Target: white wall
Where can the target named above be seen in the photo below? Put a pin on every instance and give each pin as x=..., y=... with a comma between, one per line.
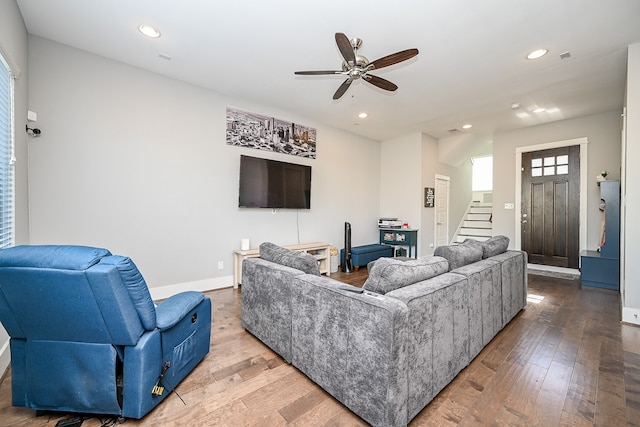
x=603, y=133
x=401, y=178
x=459, y=191
x=407, y=165
x=631, y=271
x=138, y=163
x=13, y=43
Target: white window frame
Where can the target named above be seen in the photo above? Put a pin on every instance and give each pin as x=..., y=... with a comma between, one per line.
x=7, y=154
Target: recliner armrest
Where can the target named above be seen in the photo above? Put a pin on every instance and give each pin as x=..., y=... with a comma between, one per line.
x=174, y=308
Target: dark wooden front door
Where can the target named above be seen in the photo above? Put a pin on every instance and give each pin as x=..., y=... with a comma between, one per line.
x=551, y=206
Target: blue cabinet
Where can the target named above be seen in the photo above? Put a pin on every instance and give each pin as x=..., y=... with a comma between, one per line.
x=401, y=237
x=602, y=269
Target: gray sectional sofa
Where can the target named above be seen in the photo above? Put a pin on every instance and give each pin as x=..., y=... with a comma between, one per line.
x=387, y=349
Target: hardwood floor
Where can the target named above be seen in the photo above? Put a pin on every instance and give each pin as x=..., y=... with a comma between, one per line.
x=564, y=360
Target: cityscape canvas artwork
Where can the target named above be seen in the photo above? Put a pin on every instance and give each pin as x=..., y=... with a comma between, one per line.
x=247, y=129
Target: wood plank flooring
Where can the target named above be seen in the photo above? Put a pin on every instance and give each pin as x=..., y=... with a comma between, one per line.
x=565, y=360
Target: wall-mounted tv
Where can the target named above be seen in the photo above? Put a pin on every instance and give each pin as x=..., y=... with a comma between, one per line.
x=268, y=183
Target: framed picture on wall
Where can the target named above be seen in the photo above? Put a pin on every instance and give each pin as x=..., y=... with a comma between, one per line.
x=429, y=197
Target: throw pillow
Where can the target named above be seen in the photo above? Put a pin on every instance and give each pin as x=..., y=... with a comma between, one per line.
x=388, y=274
x=495, y=246
x=299, y=260
x=459, y=255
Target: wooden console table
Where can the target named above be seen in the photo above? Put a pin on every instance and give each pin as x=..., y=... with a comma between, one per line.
x=319, y=250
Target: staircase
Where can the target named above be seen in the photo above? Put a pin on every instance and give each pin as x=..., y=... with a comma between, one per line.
x=476, y=223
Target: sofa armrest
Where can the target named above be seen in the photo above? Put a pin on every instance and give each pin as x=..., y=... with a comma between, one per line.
x=174, y=308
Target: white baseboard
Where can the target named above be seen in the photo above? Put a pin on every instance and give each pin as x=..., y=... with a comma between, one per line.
x=5, y=356
x=164, y=292
x=631, y=315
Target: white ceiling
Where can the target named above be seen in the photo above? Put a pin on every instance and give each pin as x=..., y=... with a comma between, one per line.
x=470, y=69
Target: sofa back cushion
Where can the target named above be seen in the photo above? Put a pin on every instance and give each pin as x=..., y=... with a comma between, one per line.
x=388, y=274
x=492, y=247
x=294, y=259
x=459, y=255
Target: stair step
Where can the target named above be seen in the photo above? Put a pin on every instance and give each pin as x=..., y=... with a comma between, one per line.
x=478, y=216
x=477, y=224
x=461, y=238
x=475, y=232
x=481, y=209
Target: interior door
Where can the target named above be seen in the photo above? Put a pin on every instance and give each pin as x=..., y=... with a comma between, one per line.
x=551, y=206
x=442, y=211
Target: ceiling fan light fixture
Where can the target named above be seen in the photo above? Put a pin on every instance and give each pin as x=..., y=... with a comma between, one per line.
x=356, y=66
x=538, y=53
x=149, y=31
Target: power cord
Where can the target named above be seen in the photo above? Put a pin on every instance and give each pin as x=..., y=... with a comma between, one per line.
x=112, y=421
x=77, y=420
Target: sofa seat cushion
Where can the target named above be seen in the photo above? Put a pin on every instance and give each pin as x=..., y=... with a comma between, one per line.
x=491, y=247
x=459, y=255
x=299, y=260
x=388, y=274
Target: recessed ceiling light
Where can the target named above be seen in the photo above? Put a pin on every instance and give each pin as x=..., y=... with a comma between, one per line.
x=538, y=53
x=149, y=31
x=467, y=126
x=515, y=105
x=539, y=110
x=363, y=115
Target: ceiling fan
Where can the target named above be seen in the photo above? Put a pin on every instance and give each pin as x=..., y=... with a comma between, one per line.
x=357, y=66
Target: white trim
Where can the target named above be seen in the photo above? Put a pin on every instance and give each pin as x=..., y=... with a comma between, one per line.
x=5, y=357
x=623, y=207
x=163, y=292
x=13, y=67
x=435, y=214
x=583, y=185
x=631, y=315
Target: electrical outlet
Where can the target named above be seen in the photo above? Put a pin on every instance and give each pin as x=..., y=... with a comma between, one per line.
x=220, y=265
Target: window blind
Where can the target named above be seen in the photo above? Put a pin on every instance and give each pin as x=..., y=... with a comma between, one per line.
x=7, y=223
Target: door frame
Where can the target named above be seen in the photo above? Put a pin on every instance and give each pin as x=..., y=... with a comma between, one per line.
x=435, y=214
x=582, y=244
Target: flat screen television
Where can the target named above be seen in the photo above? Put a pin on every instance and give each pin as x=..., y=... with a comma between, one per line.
x=272, y=184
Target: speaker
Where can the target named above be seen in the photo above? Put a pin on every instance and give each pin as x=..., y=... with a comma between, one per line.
x=347, y=267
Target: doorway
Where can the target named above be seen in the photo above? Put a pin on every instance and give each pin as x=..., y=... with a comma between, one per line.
x=442, y=210
x=581, y=217
x=550, y=206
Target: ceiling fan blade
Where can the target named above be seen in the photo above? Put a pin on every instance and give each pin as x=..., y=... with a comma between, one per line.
x=316, y=73
x=380, y=82
x=394, y=58
x=342, y=89
x=345, y=48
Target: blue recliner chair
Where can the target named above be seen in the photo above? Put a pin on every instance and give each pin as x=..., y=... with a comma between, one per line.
x=86, y=336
